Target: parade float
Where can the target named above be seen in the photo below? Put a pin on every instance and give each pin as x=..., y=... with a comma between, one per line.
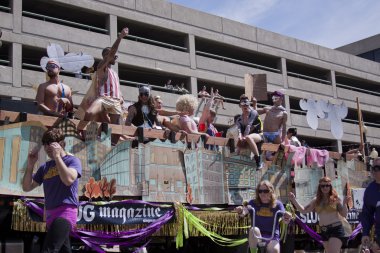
x=162, y=189
x=172, y=188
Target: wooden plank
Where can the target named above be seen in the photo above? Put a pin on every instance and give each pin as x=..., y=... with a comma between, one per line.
x=270, y=147
x=50, y=121
x=154, y=133
x=334, y=155
x=217, y=141
x=256, y=86
x=193, y=137
x=16, y=142
x=13, y=116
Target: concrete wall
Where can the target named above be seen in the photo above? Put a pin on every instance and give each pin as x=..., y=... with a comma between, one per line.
x=24, y=31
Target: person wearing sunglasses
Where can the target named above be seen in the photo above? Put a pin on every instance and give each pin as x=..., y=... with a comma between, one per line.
x=250, y=128
x=371, y=208
x=60, y=179
x=331, y=211
x=266, y=205
x=53, y=97
x=143, y=113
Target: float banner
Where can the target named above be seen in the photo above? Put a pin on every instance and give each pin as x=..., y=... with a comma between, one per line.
x=312, y=218
x=121, y=213
x=115, y=213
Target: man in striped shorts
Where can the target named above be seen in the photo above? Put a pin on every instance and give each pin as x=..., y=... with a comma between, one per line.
x=107, y=107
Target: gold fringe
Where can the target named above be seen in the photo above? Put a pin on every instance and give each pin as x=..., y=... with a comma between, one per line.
x=220, y=222
x=21, y=220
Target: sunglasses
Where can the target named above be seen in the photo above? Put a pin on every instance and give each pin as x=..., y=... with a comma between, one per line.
x=325, y=185
x=51, y=66
x=144, y=94
x=264, y=191
x=376, y=168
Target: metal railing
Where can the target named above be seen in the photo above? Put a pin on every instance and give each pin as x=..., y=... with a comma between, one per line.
x=227, y=59
x=358, y=89
x=308, y=77
x=5, y=8
x=63, y=21
x=155, y=42
x=4, y=62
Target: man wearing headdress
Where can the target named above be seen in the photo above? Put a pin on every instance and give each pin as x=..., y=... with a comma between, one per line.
x=53, y=97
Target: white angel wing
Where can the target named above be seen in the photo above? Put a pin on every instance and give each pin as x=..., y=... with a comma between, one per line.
x=322, y=107
x=74, y=62
x=341, y=111
x=55, y=51
x=43, y=62
x=304, y=105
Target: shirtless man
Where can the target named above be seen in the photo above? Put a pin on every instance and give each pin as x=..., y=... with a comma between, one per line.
x=53, y=97
x=275, y=120
x=107, y=106
x=203, y=93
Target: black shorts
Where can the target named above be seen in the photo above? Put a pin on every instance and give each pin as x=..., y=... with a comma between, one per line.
x=333, y=231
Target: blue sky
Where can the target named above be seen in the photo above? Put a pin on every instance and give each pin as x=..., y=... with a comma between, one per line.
x=330, y=23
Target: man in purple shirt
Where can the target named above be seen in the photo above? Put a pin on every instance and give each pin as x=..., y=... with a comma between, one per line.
x=371, y=208
x=60, y=178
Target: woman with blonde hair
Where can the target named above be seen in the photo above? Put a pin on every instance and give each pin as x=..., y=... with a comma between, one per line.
x=330, y=210
x=186, y=105
x=266, y=205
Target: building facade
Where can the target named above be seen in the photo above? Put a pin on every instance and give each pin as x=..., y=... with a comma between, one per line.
x=172, y=42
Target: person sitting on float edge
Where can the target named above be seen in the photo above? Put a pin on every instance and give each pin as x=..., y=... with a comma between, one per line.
x=250, y=128
x=143, y=113
x=186, y=105
x=331, y=210
x=275, y=120
x=53, y=97
x=266, y=205
x=107, y=105
x=59, y=177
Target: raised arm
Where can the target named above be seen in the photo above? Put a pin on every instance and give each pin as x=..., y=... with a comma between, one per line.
x=307, y=209
x=111, y=55
x=28, y=184
x=67, y=174
x=206, y=108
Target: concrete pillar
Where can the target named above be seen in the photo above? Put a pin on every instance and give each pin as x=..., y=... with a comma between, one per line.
x=284, y=72
x=113, y=33
x=287, y=107
x=190, y=44
x=16, y=63
x=333, y=83
x=17, y=15
x=193, y=86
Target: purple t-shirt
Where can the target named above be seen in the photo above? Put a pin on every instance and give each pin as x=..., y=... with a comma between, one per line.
x=265, y=217
x=56, y=192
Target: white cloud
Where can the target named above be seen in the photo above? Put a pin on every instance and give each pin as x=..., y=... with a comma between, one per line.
x=330, y=23
x=245, y=11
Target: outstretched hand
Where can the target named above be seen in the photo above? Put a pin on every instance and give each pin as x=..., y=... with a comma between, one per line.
x=291, y=197
x=124, y=32
x=33, y=157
